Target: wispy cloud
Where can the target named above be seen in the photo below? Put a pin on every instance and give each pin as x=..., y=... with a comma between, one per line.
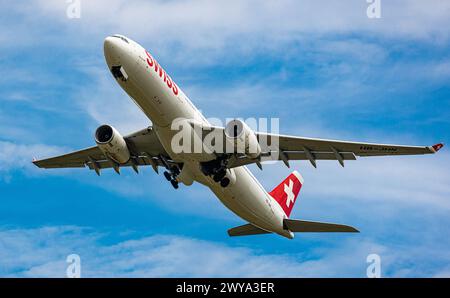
x=18, y=157
x=219, y=25
x=41, y=252
x=105, y=102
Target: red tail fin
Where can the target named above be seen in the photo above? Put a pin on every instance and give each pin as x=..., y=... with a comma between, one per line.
x=287, y=191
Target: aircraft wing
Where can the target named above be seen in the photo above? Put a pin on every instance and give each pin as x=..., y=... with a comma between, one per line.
x=300, y=148
x=144, y=146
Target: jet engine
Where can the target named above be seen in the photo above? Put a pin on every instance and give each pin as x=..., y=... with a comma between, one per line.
x=112, y=144
x=242, y=138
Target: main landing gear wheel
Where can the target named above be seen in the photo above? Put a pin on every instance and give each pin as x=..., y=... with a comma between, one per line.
x=219, y=176
x=171, y=179
x=219, y=172
x=174, y=183
x=225, y=182
x=168, y=176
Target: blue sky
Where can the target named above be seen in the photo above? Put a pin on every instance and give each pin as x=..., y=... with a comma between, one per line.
x=323, y=68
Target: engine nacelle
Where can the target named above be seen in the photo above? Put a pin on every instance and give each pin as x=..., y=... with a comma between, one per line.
x=242, y=138
x=112, y=144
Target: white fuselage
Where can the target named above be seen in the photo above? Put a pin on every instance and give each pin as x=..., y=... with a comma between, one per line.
x=164, y=102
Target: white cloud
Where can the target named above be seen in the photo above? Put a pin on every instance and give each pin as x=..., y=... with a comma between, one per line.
x=418, y=179
x=42, y=252
x=15, y=157
x=245, y=26
x=106, y=103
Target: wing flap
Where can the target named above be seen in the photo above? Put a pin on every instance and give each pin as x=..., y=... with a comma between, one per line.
x=301, y=155
x=246, y=230
x=138, y=161
x=293, y=155
x=295, y=225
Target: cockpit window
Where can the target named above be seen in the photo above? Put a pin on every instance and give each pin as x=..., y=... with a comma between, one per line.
x=121, y=37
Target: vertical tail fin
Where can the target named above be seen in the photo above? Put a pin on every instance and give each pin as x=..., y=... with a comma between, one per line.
x=287, y=191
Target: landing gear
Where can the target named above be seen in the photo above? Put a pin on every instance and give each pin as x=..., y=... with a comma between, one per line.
x=168, y=176
x=172, y=179
x=217, y=177
x=224, y=182
x=217, y=169
x=174, y=183
x=221, y=178
x=172, y=176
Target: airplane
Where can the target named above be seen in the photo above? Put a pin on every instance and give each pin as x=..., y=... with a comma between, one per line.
x=224, y=172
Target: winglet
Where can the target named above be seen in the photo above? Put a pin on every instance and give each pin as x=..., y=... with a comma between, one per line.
x=435, y=148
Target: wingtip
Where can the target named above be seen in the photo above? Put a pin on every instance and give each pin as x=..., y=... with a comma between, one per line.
x=36, y=162
x=351, y=229
x=435, y=148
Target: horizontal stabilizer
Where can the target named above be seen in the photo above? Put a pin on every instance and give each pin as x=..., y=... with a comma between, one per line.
x=246, y=230
x=295, y=225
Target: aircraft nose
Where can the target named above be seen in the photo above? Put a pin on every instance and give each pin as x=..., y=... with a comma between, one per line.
x=111, y=50
x=117, y=48
x=108, y=43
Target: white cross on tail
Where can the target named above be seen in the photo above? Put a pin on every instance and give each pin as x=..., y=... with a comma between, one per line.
x=289, y=192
